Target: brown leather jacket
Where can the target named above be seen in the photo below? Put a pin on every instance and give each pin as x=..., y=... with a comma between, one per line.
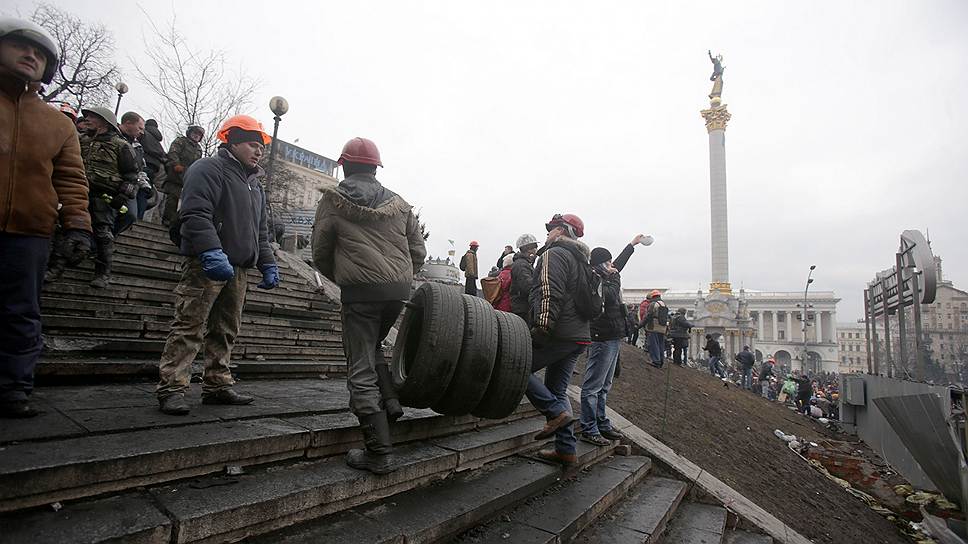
x=40, y=164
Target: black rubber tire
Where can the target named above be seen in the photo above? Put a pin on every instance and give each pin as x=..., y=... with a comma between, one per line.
x=428, y=345
x=477, y=355
x=512, y=368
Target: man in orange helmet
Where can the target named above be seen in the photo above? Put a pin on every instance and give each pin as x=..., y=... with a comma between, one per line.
x=367, y=239
x=656, y=323
x=468, y=263
x=224, y=231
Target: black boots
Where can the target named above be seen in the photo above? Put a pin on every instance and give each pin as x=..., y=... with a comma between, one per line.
x=391, y=404
x=104, y=255
x=377, y=457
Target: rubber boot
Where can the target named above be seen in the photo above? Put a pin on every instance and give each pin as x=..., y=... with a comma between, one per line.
x=102, y=263
x=391, y=403
x=55, y=269
x=377, y=457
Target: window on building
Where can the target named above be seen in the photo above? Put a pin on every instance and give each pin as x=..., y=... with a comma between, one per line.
x=844, y=359
x=781, y=335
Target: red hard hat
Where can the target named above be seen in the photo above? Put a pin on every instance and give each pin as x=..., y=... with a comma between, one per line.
x=360, y=150
x=67, y=110
x=655, y=293
x=475, y=244
x=568, y=219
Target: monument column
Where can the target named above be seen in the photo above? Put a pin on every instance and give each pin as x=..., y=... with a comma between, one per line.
x=759, y=321
x=776, y=326
x=716, y=118
x=819, y=326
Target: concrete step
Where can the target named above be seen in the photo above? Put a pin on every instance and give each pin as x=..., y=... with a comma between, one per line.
x=268, y=500
x=641, y=517
x=429, y=514
x=566, y=509
x=696, y=524
x=117, y=346
x=744, y=537
x=51, y=369
x=127, y=447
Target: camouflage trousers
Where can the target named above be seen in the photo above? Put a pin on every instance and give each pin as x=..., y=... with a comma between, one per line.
x=206, y=312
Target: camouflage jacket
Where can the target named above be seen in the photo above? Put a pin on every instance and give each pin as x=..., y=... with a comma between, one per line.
x=109, y=161
x=183, y=152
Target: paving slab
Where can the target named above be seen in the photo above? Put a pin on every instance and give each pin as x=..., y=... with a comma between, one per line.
x=640, y=517
x=267, y=500
x=477, y=447
x=129, y=518
x=44, y=472
x=51, y=423
x=744, y=537
x=95, y=396
x=697, y=524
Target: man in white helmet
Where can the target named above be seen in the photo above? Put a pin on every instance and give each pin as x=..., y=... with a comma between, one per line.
x=522, y=269
x=42, y=183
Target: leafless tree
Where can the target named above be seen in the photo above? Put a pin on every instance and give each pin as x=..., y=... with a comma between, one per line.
x=87, y=71
x=194, y=87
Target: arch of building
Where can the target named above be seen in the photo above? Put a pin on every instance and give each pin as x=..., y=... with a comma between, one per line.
x=783, y=358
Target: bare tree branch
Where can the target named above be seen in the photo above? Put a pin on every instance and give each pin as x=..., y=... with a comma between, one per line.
x=194, y=87
x=87, y=69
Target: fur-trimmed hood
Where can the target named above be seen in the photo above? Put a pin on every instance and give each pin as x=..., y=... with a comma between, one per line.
x=361, y=197
x=579, y=248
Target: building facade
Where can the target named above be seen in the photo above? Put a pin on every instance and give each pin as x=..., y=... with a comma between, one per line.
x=769, y=322
x=852, y=343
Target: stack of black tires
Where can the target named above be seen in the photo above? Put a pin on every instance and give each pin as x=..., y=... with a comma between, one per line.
x=457, y=355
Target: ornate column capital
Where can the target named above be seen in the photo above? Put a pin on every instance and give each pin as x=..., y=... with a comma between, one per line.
x=716, y=116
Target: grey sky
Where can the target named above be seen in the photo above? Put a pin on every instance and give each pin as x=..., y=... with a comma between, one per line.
x=848, y=120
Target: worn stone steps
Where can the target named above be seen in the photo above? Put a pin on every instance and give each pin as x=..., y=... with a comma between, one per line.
x=120, y=441
x=696, y=524
x=52, y=368
x=564, y=510
x=119, y=346
x=641, y=517
x=744, y=537
x=214, y=509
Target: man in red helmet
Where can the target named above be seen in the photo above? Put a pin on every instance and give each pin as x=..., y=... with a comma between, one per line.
x=468, y=263
x=368, y=241
x=560, y=330
x=224, y=232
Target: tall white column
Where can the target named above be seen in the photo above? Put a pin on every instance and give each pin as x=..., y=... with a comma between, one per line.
x=759, y=322
x=833, y=326
x=789, y=326
x=716, y=118
x=776, y=326
x=819, y=326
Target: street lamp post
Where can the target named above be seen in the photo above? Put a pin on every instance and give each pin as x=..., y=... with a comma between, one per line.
x=122, y=89
x=803, y=319
x=279, y=106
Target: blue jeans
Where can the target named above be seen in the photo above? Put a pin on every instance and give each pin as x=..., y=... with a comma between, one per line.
x=716, y=366
x=551, y=397
x=23, y=260
x=656, y=347
x=747, y=378
x=599, y=371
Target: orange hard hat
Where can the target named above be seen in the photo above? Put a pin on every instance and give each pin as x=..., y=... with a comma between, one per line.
x=655, y=293
x=67, y=110
x=243, y=122
x=475, y=244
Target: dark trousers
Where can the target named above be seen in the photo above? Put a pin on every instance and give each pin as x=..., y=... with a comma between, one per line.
x=365, y=325
x=679, y=348
x=23, y=260
x=550, y=396
x=470, y=287
x=634, y=337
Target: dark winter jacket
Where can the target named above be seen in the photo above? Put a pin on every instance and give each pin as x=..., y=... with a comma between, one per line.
x=804, y=387
x=713, y=347
x=552, y=294
x=766, y=370
x=223, y=206
x=41, y=171
x=611, y=324
x=521, y=272
x=746, y=359
x=367, y=240
x=679, y=328
x=155, y=156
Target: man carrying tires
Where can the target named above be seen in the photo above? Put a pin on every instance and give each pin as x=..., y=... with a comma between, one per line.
x=367, y=240
x=559, y=331
x=522, y=269
x=607, y=332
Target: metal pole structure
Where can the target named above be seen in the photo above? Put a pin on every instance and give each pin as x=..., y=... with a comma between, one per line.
x=122, y=88
x=272, y=154
x=918, y=343
x=876, y=344
x=887, y=331
x=803, y=319
x=902, y=334
x=279, y=107
x=867, y=329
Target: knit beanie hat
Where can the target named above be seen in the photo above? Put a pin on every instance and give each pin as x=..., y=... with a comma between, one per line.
x=599, y=256
x=240, y=136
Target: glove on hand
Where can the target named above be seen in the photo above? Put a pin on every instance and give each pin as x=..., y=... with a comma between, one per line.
x=270, y=277
x=128, y=189
x=540, y=336
x=74, y=246
x=216, y=266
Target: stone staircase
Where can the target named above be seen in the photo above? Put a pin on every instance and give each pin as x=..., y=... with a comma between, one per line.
x=119, y=332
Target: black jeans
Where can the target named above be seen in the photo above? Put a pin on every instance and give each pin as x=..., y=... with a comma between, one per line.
x=23, y=260
x=365, y=325
x=470, y=287
x=679, y=348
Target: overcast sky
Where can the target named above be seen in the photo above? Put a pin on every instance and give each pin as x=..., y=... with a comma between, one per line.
x=848, y=120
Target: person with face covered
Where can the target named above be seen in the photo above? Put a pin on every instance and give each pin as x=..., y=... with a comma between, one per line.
x=41, y=183
x=607, y=332
x=522, y=270
x=224, y=232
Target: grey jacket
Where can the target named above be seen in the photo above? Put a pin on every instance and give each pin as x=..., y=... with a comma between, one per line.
x=223, y=206
x=367, y=240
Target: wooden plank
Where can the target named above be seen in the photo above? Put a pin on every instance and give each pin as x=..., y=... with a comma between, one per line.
x=731, y=499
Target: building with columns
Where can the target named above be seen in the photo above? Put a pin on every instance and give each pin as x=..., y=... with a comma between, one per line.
x=853, y=347
x=769, y=322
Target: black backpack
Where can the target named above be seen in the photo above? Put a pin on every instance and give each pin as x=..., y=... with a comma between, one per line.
x=589, y=303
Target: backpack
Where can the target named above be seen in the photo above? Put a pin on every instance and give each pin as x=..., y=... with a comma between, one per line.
x=463, y=263
x=589, y=303
x=491, y=287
